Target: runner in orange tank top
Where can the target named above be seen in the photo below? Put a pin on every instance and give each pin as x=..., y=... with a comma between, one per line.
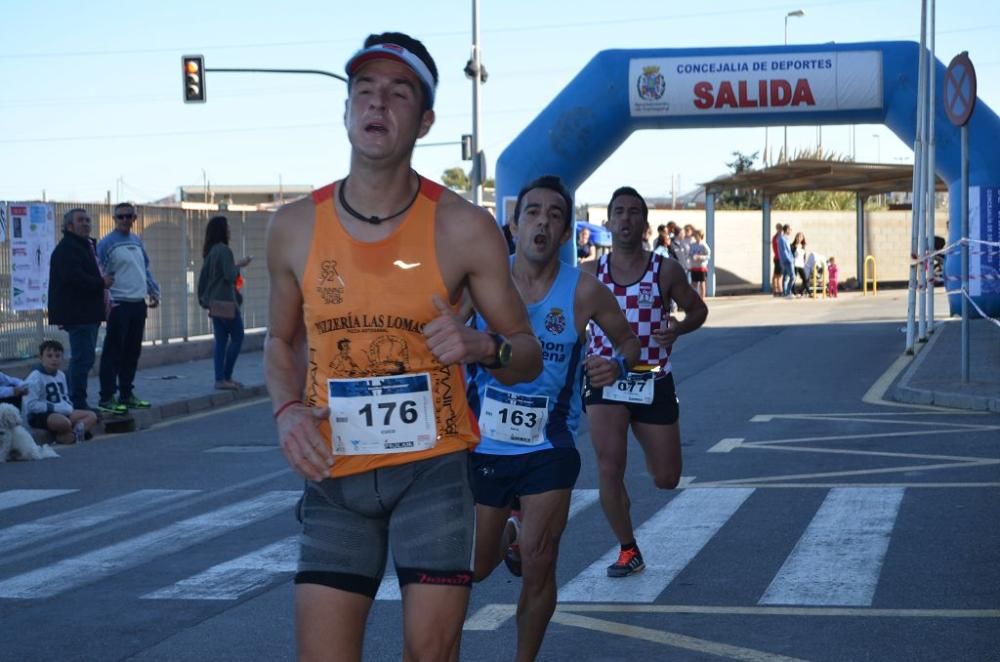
x=364, y=367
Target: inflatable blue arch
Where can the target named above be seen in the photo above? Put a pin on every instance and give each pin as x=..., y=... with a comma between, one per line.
x=621, y=91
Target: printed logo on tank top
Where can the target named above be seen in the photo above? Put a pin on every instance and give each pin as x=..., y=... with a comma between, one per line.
x=645, y=295
x=331, y=285
x=555, y=321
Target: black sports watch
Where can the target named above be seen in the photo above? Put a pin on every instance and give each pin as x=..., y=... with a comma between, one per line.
x=503, y=354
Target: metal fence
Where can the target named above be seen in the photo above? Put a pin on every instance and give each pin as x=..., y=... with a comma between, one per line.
x=173, y=239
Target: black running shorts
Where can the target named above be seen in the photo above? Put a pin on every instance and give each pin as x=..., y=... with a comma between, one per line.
x=664, y=410
x=498, y=479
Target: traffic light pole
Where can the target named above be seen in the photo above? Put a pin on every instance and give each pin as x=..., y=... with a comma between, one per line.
x=319, y=72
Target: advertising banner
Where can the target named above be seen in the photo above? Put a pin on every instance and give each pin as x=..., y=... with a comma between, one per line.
x=31, y=229
x=984, y=225
x=755, y=84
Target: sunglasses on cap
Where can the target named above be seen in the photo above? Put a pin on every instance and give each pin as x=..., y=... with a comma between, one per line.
x=124, y=217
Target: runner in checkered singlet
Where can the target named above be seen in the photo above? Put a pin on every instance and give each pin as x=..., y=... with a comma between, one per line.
x=645, y=285
x=643, y=307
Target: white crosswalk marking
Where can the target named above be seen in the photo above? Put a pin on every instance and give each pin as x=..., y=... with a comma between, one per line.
x=15, y=498
x=78, y=519
x=669, y=541
x=230, y=580
x=101, y=563
x=579, y=500
x=838, y=560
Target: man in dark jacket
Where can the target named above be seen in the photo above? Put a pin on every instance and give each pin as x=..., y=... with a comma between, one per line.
x=77, y=298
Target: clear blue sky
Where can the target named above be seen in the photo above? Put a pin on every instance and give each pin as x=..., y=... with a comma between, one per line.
x=92, y=91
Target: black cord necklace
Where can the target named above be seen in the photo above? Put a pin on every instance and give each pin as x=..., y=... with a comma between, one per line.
x=374, y=220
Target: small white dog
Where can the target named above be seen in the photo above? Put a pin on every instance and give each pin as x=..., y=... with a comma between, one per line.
x=15, y=441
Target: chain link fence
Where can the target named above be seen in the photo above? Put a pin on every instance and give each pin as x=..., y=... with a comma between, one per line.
x=173, y=239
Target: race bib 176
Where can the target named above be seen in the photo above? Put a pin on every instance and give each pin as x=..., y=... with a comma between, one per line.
x=375, y=415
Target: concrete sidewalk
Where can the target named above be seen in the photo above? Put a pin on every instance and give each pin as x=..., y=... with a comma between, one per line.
x=180, y=389
x=934, y=376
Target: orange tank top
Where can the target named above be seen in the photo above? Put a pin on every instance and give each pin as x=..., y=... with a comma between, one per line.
x=365, y=307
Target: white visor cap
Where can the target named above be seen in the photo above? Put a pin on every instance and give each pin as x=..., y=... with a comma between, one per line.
x=400, y=54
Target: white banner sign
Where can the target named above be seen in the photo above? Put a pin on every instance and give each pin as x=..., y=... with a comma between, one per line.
x=31, y=228
x=755, y=84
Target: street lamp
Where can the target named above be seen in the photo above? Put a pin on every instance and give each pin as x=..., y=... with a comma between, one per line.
x=475, y=70
x=798, y=13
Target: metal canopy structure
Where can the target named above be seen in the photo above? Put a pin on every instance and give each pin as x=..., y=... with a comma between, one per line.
x=861, y=179
x=816, y=175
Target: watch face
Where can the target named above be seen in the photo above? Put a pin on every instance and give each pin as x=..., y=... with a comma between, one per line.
x=504, y=353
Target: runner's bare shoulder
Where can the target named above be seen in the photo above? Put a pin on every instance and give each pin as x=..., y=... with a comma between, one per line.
x=292, y=216
x=589, y=267
x=463, y=221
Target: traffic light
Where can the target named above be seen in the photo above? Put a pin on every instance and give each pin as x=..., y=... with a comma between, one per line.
x=466, y=147
x=193, y=67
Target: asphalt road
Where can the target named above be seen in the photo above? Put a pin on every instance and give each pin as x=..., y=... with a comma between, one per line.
x=816, y=522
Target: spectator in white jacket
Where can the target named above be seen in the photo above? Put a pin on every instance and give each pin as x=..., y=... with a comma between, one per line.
x=698, y=256
x=47, y=406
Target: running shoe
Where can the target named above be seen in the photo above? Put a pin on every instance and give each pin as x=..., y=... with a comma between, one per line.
x=629, y=562
x=132, y=402
x=112, y=406
x=512, y=532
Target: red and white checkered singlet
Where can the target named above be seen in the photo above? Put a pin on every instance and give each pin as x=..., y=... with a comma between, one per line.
x=644, y=309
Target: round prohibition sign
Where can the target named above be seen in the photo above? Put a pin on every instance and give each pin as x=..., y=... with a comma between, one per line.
x=960, y=89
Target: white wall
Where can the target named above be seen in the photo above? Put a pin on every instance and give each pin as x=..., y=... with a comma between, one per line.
x=738, y=242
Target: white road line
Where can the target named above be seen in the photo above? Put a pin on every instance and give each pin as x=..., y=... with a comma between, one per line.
x=101, y=563
x=234, y=578
x=240, y=449
x=579, y=501
x=875, y=435
x=837, y=561
x=78, y=519
x=970, y=459
x=489, y=618
x=813, y=486
x=673, y=639
x=807, y=612
x=669, y=541
x=726, y=445
x=15, y=498
x=859, y=472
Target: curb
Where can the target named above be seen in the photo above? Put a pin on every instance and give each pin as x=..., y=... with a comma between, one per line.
x=146, y=418
x=901, y=391
x=143, y=419
x=921, y=396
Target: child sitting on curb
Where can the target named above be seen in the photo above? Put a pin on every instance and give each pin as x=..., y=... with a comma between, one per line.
x=47, y=406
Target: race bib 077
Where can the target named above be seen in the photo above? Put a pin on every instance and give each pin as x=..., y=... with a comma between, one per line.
x=375, y=415
x=635, y=388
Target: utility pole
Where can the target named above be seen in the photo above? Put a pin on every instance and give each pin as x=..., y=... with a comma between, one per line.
x=474, y=69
